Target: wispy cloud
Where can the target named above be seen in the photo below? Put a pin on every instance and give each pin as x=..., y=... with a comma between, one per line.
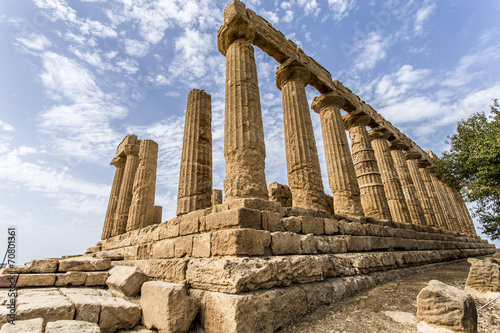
x=423, y=15
x=371, y=50
x=341, y=8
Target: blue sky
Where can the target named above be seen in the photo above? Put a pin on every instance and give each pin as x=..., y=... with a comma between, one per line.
x=77, y=76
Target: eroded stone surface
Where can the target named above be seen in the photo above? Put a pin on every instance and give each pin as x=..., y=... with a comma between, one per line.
x=126, y=280
x=174, y=313
x=71, y=326
x=484, y=275
x=84, y=264
x=24, y=326
x=447, y=306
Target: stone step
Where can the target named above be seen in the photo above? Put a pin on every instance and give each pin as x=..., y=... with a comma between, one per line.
x=54, y=265
x=101, y=307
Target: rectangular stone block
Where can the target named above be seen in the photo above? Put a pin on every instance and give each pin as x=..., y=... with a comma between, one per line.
x=96, y=279
x=272, y=222
x=240, y=242
x=169, y=232
x=163, y=249
x=183, y=246
x=144, y=251
x=331, y=226
x=292, y=224
x=358, y=243
x=308, y=244
x=169, y=270
x=201, y=245
x=189, y=227
x=240, y=218
x=130, y=253
x=70, y=279
x=285, y=243
x=84, y=264
x=36, y=280
x=313, y=225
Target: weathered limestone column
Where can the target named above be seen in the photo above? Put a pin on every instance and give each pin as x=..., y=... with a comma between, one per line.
x=195, y=178
x=125, y=196
x=216, y=197
x=373, y=198
x=407, y=185
x=446, y=205
x=244, y=148
x=302, y=162
x=460, y=224
x=341, y=174
x=390, y=178
x=422, y=194
x=464, y=212
x=142, y=209
x=119, y=163
x=158, y=214
x=431, y=192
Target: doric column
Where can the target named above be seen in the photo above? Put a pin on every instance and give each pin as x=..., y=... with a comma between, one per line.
x=446, y=206
x=195, y=178
x=341, y=174
x=464, y=212
x=142, y=208
x=158, y=213
x=373, y=198
x=125, y=196
x=460, y=224
x=216, y=197
x=302, y=162
x=119, y=163
x=431, y=192
x=422, y=194
x=407, y=185
x=390, y=178
x=244, y=148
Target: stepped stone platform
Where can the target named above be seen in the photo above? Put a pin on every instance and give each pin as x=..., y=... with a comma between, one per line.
x=253, y=270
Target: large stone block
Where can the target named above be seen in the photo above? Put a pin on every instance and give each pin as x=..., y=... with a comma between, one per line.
x=240, y=242
x=70, y=279
x=292, y=224
x=285, y=243
x=447, y=306
x=48, y=304
x=117, y=313
x=24, y=326
x=87, y=308
x=201, y=245
x=126, y=280
x=169, y=270
x=70, y=326
x=241, y=218
x=183, y=246
x=36, y=280
x=484, y=276
x=84, y=264
x=96, y=279
x=163, y=249
x=175, y=312
x=280, y=193
x=313, y=225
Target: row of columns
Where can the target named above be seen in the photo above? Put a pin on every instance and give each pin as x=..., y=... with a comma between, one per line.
x=131, y=202
x=377, y=180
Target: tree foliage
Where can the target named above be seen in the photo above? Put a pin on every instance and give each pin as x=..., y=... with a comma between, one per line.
x=473, y=164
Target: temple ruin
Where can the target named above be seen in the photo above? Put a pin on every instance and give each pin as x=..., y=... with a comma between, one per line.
x=261, y=257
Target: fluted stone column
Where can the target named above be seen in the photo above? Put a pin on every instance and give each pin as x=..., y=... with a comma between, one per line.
x=464, y=212
x=446, y=206
x=125, y=196
x=341, y=175
x=142, y=208
x=244, y=148
x=431, y=192
x=392, y=185
x=460, y=224
x=422, y=193
x=195, y=177
x=216, y=197
x=119, y=163
x=373, y=198
x=407, y=185
x=302, y=162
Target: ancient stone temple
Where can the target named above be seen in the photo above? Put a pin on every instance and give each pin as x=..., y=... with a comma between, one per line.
x=261, y=256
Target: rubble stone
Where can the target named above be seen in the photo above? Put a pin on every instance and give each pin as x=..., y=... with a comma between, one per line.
x=126, y=280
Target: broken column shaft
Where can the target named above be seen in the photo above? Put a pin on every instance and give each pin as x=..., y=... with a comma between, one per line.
x=195, y=178
x=119, y=163
x=302, y=162
x=142, y=209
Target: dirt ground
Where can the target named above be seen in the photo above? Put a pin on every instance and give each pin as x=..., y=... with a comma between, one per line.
x=392, y=307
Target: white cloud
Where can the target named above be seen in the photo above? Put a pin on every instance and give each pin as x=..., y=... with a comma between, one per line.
x=6, y=127
x=423, y=15
x=288, y=16
x=341, y=8
x=36, y=42
x=129, y=65
x=372, y=50
x=136, y=48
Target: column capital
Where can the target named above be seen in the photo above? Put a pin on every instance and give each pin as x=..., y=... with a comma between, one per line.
x=411, y=154
x=330, y=99
x=293, y=72
x=131, y=150
x=382, y=134
x=360, y=119
x=397, y=144
x=118, y=161
x=237, y=27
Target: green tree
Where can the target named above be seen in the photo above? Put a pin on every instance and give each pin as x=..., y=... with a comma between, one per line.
x=473, y=163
